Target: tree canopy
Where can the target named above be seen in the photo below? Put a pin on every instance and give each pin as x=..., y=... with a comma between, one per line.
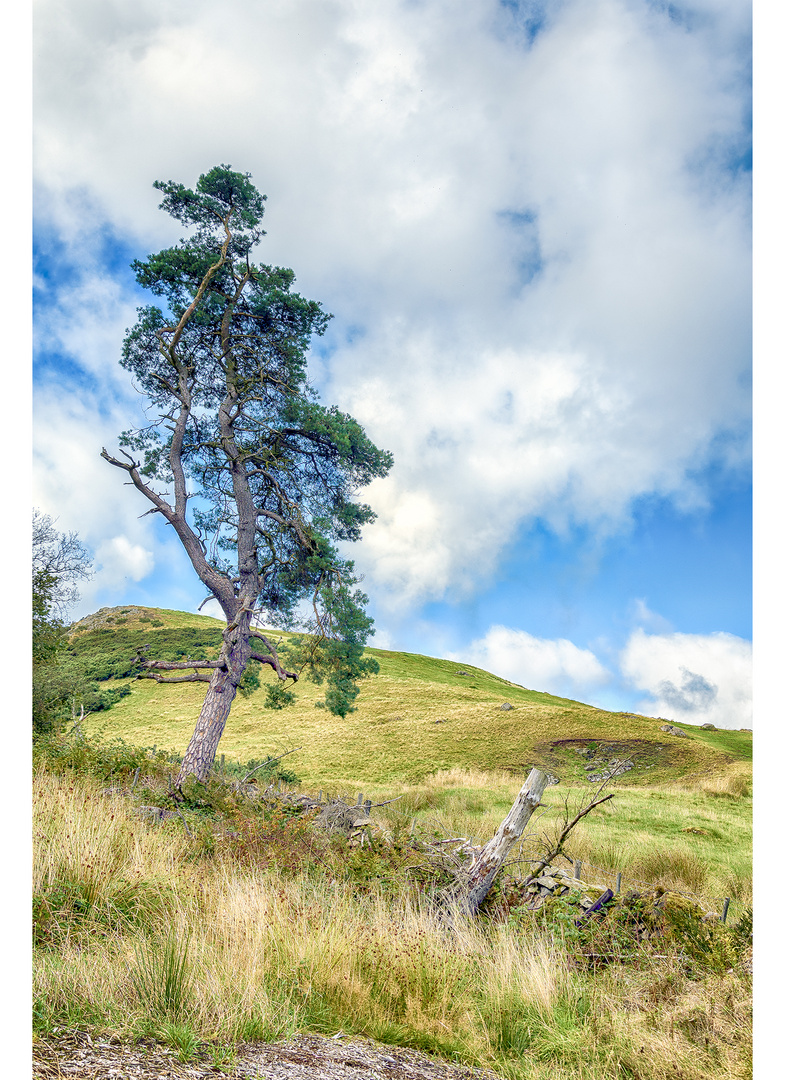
x=257, y=478
x=59, y=561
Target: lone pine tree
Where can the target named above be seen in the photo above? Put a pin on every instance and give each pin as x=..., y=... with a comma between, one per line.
x=256, y=477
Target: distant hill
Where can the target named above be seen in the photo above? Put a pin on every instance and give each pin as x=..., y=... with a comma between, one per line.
x=418, y=715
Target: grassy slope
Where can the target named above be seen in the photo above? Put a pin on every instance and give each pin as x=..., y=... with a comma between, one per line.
x=313, y=961
x=416, y=717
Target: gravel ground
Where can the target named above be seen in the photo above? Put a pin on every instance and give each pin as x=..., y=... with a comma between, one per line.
x=306, y=1057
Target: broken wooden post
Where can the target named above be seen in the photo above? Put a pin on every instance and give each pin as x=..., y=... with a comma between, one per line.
x=471, y=892
x=576, y=869
x=725, y=907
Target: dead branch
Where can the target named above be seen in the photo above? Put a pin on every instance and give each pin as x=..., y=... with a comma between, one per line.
x=556, y=848
x=474, y=884
x=270, y=761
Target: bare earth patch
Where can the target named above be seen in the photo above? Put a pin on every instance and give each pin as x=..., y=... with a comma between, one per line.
x=306, y=1057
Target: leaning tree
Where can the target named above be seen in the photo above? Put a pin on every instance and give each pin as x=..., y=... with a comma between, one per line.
x=256, y=477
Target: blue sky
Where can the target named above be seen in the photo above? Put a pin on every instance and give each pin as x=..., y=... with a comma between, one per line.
x=532, y=224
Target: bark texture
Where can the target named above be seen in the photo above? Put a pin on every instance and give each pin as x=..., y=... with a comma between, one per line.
x=201, y=751
x=239, y=428
x=491, y=859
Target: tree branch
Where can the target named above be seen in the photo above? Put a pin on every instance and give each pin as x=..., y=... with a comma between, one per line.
x=180, y=665
x=195, y=677
x=556, y=849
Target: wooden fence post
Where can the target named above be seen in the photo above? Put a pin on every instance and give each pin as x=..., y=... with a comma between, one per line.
x=618, y=882
x=576, y=868
x=725, y=907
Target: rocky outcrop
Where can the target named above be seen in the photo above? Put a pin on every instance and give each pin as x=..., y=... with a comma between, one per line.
x=615, y=767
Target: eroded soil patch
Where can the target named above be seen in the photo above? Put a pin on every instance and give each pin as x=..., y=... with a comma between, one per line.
x=575, y=754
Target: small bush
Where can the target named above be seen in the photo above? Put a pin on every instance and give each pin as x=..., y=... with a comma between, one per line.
x=711, y=945
x=93, y=756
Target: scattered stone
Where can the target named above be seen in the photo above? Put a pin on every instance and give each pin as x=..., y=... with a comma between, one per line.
x=708, y=727
x=337, y=816
x=506, y=706
x=671, y=730
x=614, y=768
x=747, y=729
x=461, y=672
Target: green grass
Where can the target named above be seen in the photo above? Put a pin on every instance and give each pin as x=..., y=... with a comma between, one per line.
x=248, y=927
x=335, y=939
x=417, y=716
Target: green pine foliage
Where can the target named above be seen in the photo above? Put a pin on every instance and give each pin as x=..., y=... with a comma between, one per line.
x=265, y=477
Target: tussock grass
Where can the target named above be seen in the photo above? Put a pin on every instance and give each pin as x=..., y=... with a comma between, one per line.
x=228, y=953
x=92, y=865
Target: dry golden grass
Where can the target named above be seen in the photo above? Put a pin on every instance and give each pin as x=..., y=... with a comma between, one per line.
x=268, y=954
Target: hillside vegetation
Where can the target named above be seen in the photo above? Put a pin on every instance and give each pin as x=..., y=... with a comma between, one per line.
x=419, y=715
x=236, y=920
x=431, y=734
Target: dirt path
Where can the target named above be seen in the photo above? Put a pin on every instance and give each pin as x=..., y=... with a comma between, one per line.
x=307, y=1057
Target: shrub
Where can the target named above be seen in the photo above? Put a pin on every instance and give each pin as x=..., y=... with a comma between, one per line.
x=93, y=756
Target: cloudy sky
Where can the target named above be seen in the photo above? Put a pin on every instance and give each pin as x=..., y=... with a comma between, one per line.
x=531, y=221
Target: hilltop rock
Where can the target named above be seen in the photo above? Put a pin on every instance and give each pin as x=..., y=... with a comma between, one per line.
x=671, y=730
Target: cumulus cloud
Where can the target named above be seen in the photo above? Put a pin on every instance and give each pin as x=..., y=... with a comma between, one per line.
x=537, y=250
x=692, y=678
x=119, y=561
x=554, y=666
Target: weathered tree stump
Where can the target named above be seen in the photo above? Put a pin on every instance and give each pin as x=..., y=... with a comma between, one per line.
x=470, y=892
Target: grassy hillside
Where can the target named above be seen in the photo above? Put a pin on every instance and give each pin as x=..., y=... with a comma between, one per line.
x=419, y=715
x=236, y=921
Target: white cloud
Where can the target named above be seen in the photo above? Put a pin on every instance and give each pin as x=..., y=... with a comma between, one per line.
x=642, y=616
x=554, y=666
x=692, y=678
x=119, y=561
x=543, y=263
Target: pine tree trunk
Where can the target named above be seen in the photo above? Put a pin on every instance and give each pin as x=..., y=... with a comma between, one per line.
x=221, y=692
